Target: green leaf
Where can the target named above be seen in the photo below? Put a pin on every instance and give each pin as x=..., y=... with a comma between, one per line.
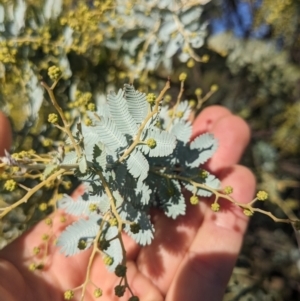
x=115, y=248
x=165, y=143
x=82, y=164
x=204, y=147
x=120, y=114
x=108, y=133
x=82, y=206
x=145, y=235
x=137, y=165
x=182, y=131
x=171, y=199
x=81, y=229
x=137, y=103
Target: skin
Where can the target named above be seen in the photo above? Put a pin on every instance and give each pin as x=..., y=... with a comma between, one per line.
x=190, y=258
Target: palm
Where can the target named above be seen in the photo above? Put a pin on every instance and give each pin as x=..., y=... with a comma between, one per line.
x=190, y=257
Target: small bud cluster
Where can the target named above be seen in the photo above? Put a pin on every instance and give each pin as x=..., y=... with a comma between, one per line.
x=135, y=228
x=192, y=103
x=190, y=63
x=54, y=73
x=228, y=190
x=45, y=237
x=215, y=207
x=68, y=295
x=82, y=244
x=198, y=92
x=179, y=114
x=151, y=97
x=120, y=270
x=247, y=212
x=53, y=118
x=194, y=200
x=10, y=185
x=88, y=121
x=98, y=293
x=48, y=221
x=93, y=207
x=262, y=195
x=104, y=245
x=120, y=290
x=182, y=76
x=43, y=207
x=108, y=260
x=36, y=250
x=203, y=174
x=151, y=143
x=214, y=88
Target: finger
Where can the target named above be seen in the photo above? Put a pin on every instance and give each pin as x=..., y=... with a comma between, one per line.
x=5, y=134
x=207, y=119
x=208, y=263
x=222, y=124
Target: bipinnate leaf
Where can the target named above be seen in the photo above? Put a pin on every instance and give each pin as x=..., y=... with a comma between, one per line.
x=137, y=103
x=203, y=147
x=165, y=143
x=171, y=199
x=81, y=229
x=70, y=158
x=120, y=114
x=145, y=234
x=182, y=131
x=108, y=133
x=137, y=165
x=115, y=248
x=85, y=205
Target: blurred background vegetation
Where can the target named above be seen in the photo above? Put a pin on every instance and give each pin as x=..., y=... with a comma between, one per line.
x=250, y=49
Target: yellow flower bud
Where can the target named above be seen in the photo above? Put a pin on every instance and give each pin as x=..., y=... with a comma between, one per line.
x=215, y=207
x=182, y=76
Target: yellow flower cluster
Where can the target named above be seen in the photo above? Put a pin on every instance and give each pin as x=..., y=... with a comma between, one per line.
x=68, y=295
x=182, y=76
x=52, y=118
x=108, y=260
x=98, y=293
x=54, y=73
x=151, y=97
x=194, y=200
x=228, y=190
x=215, y=207
x=262, y=195
x=10, y=185
x=7, y=54
x=93, y=207
x=151, y=143
x=248, y=212
x=198, y=92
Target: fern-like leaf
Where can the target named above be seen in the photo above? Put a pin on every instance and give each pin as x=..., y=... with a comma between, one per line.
x=145, y=235
x=137, y=103
x=120, y=114
x=81, y=229
x=203, y=147
x=109, y=134
x=137, y=165
x=165, y=143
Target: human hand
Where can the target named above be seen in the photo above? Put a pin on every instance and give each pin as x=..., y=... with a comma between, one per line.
x=191, y=258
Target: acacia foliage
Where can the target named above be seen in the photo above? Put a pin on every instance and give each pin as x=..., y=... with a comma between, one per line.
x=136, y=155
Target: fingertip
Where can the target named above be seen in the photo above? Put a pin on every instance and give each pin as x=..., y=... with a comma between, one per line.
x=233, y=135
x=205, y=121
